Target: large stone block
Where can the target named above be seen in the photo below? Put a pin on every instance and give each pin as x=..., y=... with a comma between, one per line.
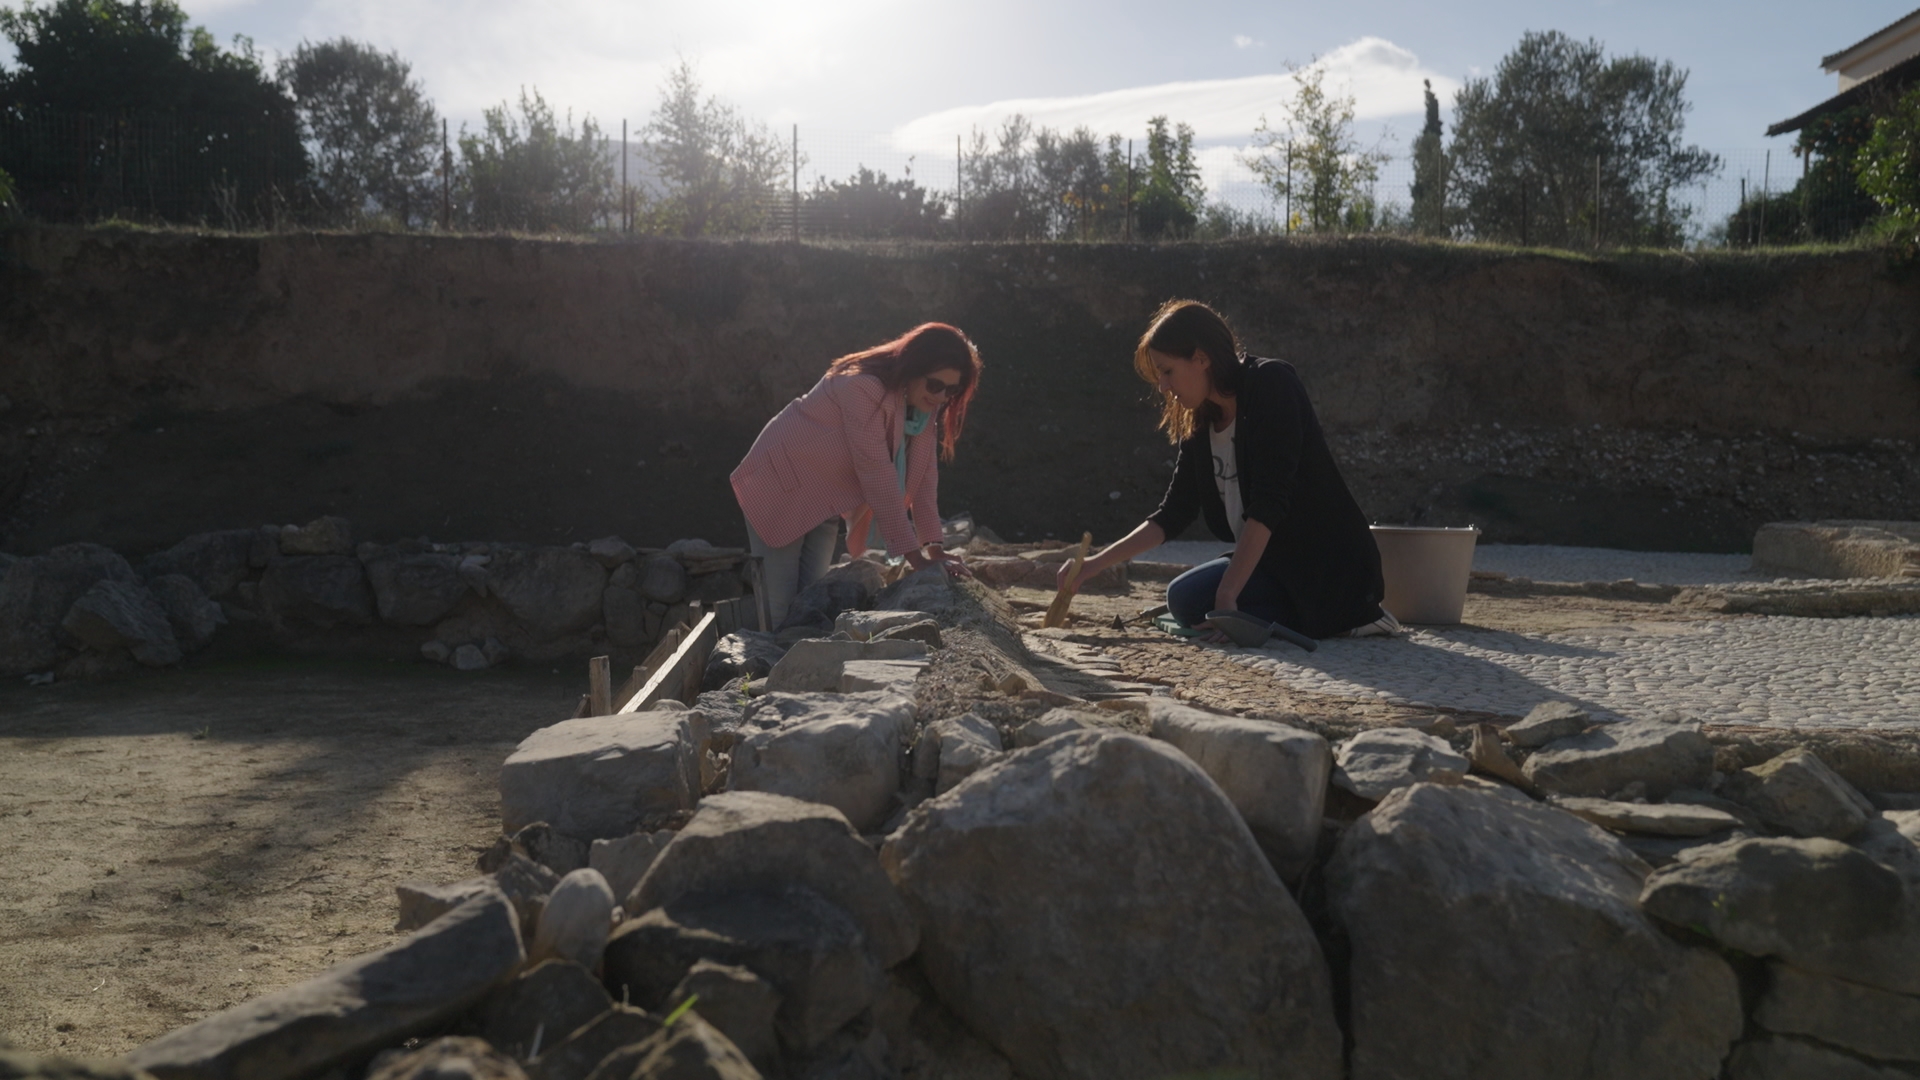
x=840, y=750
x=350, y=1011
x=1095, y=907
x=1376, y=762
x=1275, y=775
x=316, y=591
x=1798, y=794
x=814, y=665
x=1790, y=1059
x=1603, y=761
x=1494, y=937
x=751, y=841
x=602, y=776
x=1841, y=1013
x=216, y=561
x=36, y=593
x=416, y=590
x=552, y=591
x=124, y=615
x=1839, y=549
x=194, y=618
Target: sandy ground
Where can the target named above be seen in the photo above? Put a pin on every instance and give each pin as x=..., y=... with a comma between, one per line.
x=182, y=842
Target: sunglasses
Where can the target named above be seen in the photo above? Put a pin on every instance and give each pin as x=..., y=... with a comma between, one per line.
x=942, y=389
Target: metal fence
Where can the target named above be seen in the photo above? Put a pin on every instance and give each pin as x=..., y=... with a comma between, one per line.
x=188, y=170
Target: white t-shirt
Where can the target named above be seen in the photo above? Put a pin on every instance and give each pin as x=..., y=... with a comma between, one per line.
x=1226, y=477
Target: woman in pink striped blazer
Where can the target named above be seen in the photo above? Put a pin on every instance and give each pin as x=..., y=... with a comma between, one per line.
x=861, y=445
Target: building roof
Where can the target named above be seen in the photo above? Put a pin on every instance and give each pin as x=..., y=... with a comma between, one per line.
x=1830, y=61
x=1891, y=81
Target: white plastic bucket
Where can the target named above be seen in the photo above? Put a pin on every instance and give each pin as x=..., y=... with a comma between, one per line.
x=1426, y=571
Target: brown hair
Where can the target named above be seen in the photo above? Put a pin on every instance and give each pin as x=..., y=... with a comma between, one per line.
x=1181, y=328
x=920, y=352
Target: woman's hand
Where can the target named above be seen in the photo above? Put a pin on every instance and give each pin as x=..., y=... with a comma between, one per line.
x=955, y=566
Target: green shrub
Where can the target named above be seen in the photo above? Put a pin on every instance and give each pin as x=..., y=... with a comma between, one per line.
x=1888, y=164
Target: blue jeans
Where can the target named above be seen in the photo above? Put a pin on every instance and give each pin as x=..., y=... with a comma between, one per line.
x=1190, y=596
x=787, y=570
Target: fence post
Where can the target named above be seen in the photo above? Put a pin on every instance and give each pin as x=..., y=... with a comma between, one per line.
x=1596, y=202
x=1288, y=208
x=446, y=180
x=796, y=183
x=626, y=197
x=959, y=189
x=1127, y=230
x=1766, y=178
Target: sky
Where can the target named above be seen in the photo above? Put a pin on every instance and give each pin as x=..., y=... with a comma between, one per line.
x=880, y=78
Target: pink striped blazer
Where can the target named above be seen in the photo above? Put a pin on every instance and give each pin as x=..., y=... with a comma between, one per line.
x=830, y=451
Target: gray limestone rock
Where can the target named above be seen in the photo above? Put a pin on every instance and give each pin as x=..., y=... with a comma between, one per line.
x=864, y=625
x=624, y=861
x=815, y=665
x=866, y=676
x=664, y=579
x=930, y=591
x=1651, y=819
x=747, y=653
x=1816, y=904
x=469, y=657
x=689, y=1049
x=352, y=1010
x=1378, y=761
x=552, y=591
x=954, y=749
x=328, y=535
x=1661, y=755
x=740, y=1004
x=840, y=750
x=1094, y=907
x=551, y=1000
x=123, y=615
x=1546, y=722
x=577, y=1055
x=1790, y=1059
x=851, y=586
x=1893, y=841
x=602, y=776
x=36, y=594
x=438, y=652
x=610, y=551
x=1798, y=794
x=316, y=591
x=1494, y=937
x=746, y=841
x=415, y=590
x=194, y=618
x=450, y=1057
x=1858, y=1018
x=575, y=921
x=1275, y=775
x=216, y=561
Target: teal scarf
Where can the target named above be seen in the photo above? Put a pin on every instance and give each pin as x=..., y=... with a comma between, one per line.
x=915, y=424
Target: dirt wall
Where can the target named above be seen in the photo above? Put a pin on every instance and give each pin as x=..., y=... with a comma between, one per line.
x=422, y=384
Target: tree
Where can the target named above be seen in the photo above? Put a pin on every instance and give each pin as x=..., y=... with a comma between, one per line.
x=715, y=169
x=1889, y=165
x=1003, y=199
x=1562, y=145
x=533, y=174
x=1429, y=188
x=1314, y=162
x=1169, y=204
x=125, y=108
x=371, y=131
x=870, y=205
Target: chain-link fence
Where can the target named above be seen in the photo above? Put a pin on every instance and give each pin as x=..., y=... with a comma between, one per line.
x=219, y=173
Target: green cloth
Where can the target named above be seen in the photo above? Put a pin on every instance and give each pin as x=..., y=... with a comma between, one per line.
x=915, y=424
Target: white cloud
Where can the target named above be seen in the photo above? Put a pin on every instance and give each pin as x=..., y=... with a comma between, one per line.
x=1383, y=78
x=1242, y=41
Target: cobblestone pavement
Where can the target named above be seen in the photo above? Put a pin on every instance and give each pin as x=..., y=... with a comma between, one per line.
x=1799, y=674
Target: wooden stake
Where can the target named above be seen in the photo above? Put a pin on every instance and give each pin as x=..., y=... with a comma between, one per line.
x=1062, y=600
x=757, y=574
x=599, y=687
x=678, y=675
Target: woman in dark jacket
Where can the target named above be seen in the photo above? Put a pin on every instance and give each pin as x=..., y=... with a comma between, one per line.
x=1254, y=464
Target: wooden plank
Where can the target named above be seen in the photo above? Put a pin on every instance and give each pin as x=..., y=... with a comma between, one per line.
x=599, y=687
x=644, y=670
x=680, y=671
x=1063, y=599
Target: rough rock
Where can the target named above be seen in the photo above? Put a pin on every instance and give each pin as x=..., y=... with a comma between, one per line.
x=194, y=618
x=926, y=631
x=16, y=1064
x=322, y=536
x=451, y=1057
x=610, y=551
x=930, y=591
x=1839, y=549
x=552, y=591
x=1275, y=775
x=495, y=652
x=1494, y=937
x=1791, y=1059
x=36, y=593
x=624, y=861
x=437, y=652
x=624, y=613
x=950, y=750
x=415, y=590
x=1859, y=1018
x=743, y=653
x=1659, y=851
x=524, y=882
x=863, y=625
x=852, y=585
x=1546, y=722
x=469, y=657
x=663, y=579
x=580, y=1052
x=1053, y=722
x=550, y=1000
x=740, y=1004
x=351, y=1010
x=814, y=665
x=1379, y=760
x=749, y=841
x=865, y=676
x=123, y=615
x=1694, y=797
x=839, y=750
x=575, y=921
x=690, y=1049
x=810, y=950
x=602, y=776
x=1798, y=794
x=1094, y=907
x=1653, y=819
x=1893, y=841
x=421, y=903
x=1816, y=904
x=1661, y=755
x=317, y=591
x=216, y=561
x=542, y=843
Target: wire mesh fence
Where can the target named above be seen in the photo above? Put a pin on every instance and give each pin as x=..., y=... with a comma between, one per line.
x=220, y=172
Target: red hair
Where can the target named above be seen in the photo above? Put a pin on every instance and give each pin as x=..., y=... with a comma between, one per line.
x=920, y=352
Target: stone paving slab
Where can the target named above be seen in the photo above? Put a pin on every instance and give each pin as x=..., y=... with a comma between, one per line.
x=1774, y=672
